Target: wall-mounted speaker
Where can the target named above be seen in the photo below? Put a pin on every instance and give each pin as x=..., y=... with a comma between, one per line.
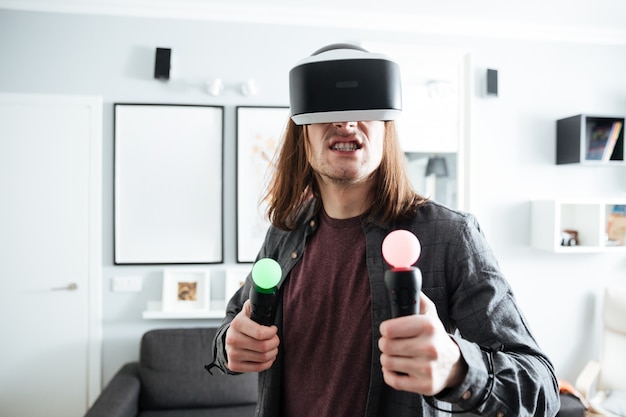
x=162, y=63
x=492, y=82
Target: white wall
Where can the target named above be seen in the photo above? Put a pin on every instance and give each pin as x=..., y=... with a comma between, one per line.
x=512, y=142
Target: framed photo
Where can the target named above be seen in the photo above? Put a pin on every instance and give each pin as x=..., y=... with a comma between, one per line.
x=235, y=279
x=186, y=290
x=259, y=131
x=168, y=184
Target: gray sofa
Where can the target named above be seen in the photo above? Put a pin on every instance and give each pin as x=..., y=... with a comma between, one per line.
x=170, y=381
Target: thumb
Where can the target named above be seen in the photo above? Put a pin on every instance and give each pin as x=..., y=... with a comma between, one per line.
x=246, y=308
x=426, y=305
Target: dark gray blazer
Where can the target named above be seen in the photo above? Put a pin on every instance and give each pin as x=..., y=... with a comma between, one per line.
x=508, y=373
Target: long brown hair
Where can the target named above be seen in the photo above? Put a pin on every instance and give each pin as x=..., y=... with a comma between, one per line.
x=293, y=182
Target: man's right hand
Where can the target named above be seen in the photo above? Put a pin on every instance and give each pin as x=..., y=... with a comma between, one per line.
x=250, y=347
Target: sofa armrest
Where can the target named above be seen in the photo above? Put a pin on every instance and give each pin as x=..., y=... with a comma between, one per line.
x=587, y=379
x=120, y=398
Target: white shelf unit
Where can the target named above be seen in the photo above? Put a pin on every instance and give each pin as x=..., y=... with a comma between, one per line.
x=155, y=311
x=549, y=218
x=226, y=285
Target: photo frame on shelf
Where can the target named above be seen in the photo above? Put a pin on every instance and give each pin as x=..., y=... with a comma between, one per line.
x=235, y=279
x=168, y=184
x=259, y=131
x=186, y=290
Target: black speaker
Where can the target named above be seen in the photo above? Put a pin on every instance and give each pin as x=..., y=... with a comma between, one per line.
x=162, y=64
x=492, y=82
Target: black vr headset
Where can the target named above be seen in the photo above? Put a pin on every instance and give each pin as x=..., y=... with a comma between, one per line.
x=344, y=83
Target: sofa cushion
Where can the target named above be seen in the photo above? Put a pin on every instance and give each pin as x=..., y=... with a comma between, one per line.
x=234, y=411
x=615, y=402
x=570, y=407
x=171, y=368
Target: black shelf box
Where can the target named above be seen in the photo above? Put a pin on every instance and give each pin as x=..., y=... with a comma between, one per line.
x=574, y=134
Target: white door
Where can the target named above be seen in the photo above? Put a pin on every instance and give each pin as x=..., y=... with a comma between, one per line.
x=50, y=254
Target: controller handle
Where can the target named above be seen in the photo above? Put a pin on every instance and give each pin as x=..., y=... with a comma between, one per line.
x=266, y=274
x=401, y=249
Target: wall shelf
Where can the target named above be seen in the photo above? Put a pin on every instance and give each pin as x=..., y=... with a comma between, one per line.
x=583, y=139
x=154, y=311
x=589, y=218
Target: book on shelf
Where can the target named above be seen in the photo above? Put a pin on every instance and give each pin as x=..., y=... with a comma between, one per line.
x=597, y=139
x=612, y=140
x=616, y=226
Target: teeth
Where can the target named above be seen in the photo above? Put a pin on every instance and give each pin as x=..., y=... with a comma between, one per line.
x=345, y=146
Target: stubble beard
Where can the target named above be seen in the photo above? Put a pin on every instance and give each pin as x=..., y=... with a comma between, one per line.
x=343, y=179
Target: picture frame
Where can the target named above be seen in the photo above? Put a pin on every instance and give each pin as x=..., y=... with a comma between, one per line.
x=168, y=185
x=259, y=131
x=186, y=290
x=234, y=279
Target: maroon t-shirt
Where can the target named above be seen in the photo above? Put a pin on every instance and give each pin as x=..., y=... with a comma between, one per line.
x=327, y=325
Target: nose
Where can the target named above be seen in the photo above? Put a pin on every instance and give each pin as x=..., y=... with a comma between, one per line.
x=345, y=125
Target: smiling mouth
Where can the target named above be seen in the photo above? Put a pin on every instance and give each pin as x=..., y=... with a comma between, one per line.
x=345, y=146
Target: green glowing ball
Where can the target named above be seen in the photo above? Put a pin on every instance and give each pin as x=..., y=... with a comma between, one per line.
x=266, y=273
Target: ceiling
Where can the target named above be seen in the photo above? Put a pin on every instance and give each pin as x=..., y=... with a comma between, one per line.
x=602, y=21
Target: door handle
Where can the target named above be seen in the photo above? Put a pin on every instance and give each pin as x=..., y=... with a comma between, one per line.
x=69, y=287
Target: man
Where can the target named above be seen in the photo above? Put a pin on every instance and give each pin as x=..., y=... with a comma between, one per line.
x=339, y=188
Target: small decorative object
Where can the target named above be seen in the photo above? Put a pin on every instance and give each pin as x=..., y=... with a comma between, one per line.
x=185, y=290
x=569, y=238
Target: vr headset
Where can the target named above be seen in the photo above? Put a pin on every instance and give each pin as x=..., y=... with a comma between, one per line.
x=344, y=83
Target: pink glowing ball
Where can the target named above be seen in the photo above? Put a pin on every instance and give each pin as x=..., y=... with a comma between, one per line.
x=401, y=249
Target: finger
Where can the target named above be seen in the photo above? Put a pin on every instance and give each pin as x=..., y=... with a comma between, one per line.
x=238, y=335
x=394, y=378
x=405, y=327
x=403, y=365
x=409, y=383
x=408, y=374
x=245, y=354
x=237, y=355
x=250, y=328
x=396, y=375
x=406, y=347
x=250, y=366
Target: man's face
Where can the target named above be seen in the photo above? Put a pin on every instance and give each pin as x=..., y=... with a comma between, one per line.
x=346, y=153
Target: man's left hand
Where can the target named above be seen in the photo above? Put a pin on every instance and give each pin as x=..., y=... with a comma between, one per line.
x=418, y=355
